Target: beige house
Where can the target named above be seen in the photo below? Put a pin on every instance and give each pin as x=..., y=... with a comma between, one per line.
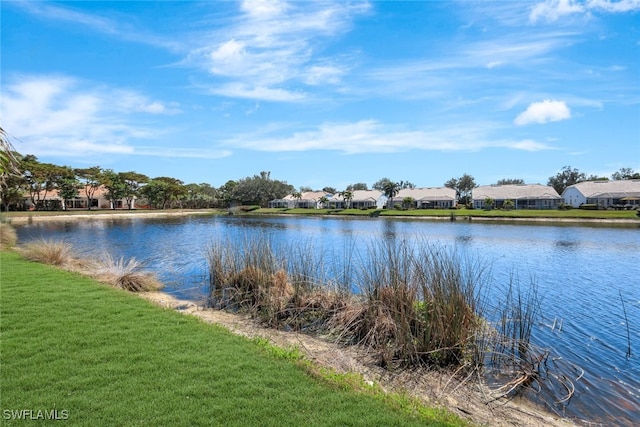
x=361, y=199
x=523, y=196
x=426, y=198
x=52, y=201
x=604, y=194
x=307, y=200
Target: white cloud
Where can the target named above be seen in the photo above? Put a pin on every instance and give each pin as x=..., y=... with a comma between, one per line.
x=543, y=112
x=552, y=10
x=66, y=117
x=272, y=45
x=371, y=136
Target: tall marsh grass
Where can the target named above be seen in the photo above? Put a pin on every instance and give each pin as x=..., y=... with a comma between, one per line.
x=124, y=274
x=414, y=304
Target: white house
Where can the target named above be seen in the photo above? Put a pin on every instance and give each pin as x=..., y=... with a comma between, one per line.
x=523, y=196
x=604, y=194
x=427, y=198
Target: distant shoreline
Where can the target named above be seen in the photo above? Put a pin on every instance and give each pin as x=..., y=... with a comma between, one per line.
x=18, y=218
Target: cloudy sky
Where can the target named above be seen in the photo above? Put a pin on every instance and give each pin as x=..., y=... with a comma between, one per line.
x=325, y=93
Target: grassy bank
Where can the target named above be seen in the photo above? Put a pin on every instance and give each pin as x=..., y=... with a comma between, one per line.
x=100, y=356
x=463, y=213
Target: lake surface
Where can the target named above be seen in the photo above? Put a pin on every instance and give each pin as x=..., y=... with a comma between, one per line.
x=586, y=276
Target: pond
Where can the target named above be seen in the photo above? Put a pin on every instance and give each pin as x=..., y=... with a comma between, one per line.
x=588, y=277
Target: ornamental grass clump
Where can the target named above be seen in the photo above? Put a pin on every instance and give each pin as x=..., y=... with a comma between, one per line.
x=8, y=235
x=125, y=274
x=52, y=252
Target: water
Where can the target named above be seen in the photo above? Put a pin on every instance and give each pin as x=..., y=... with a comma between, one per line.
x=583, y=274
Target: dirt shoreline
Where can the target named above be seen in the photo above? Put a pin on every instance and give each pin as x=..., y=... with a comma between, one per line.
x=468, y=399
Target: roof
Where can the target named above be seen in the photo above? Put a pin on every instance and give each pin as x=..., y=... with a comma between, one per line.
x=609, y=189
x=426, y=194
x=515, y=192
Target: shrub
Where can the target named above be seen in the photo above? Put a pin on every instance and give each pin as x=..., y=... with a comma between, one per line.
x=589, y=206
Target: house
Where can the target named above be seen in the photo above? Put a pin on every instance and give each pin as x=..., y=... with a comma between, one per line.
x=307, y=200
x=523, y=196
x=52, y=201
x=604, y=194
x=361, y=199
x=427, y=198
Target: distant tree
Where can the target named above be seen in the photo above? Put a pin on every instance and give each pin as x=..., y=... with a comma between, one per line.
x=323, y=201
x=115, y=185
x=463, y=186
x=40, y=179
x=383, y=183
x=406, y=184
x=347, y=195
x=625, y=173
x=226, y=192
x=259, y=189
x=508, y=204
x=390, y=190
x=90, y=178
x=305, y=189
x=297, y=195
x=330, y=190
x=133, y=181
x=565, y=178
x=357, y=186
x=407, y=202
x=489, y=203
x=510, y=181
x=163, y=192
x=200, y=196
x=68, y=185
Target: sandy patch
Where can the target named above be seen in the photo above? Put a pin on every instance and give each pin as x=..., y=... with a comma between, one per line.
x=468, y=399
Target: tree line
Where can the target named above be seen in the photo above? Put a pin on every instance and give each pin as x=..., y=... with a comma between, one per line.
x=25, y=176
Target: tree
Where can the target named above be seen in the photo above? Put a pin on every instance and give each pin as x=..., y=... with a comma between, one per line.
x=466, y=184
x=384, y=182
x=304, y=189
x=463, y=186
x=163, y=192
x=357, y=186
x=114, y=183
x=133, y=182
x=489, y=203
x=329, y=190
x=390, y=189
x=565, y=178
x=407, y=202
x=40, y=180
x=92, y=177
x=297, y=195
x=226, y=192
x=260, y=189
x=9, y=162
x=323, y=201
x=625, y=173
x=347, y=195
x=68, y=185
x=508, y=204
x=510, y=181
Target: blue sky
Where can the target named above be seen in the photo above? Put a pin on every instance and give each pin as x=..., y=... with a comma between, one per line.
x=325, y=93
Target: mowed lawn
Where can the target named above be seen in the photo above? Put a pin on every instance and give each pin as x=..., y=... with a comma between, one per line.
x=101, y=356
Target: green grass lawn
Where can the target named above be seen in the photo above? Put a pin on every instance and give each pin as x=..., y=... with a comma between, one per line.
x=101, y=356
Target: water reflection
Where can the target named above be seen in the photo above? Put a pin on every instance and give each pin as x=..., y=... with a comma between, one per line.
x=581, y=274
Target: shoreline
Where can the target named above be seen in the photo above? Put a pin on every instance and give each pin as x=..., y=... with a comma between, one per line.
x=28, y=218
